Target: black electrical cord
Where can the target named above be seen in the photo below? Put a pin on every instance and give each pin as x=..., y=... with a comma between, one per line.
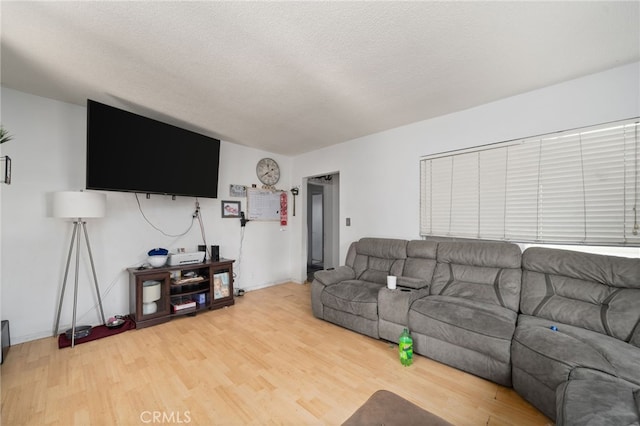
x=160, y=230
x=236, y=273
x=202, y=232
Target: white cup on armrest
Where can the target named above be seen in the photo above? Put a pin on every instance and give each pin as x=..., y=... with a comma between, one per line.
x=391, y=282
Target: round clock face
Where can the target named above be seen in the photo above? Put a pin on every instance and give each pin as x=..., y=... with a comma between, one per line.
x=268, y=171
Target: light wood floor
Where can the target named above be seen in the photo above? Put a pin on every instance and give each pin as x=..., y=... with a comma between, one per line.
x=265, y=360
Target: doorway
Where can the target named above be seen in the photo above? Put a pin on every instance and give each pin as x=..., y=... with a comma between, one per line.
x=322, y=223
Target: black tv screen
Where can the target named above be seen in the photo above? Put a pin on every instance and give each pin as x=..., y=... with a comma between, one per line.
x=131, y=153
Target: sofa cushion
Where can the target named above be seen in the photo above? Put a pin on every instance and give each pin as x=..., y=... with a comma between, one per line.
x=387, y=248
x=376, y=258
x=472, y=324
x=422, y=249
x=594, y=292
x=353, y=296
x=421, y=260
x=553, y=357
x=481, y=253
x=596, y=403
x=334, y=276
x=483, y=271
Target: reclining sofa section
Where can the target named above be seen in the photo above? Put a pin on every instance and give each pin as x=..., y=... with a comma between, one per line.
x=348, y=295
x=469, y=317
x=593, y=304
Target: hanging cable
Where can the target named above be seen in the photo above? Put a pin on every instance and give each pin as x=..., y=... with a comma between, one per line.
x=238, y=262
x=202, y=232
x=160, y=230
x=104, y=296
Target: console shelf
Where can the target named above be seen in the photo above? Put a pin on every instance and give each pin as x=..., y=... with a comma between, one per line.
x=179, y=290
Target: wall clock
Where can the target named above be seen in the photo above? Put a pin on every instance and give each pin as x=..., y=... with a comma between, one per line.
x=268, y=171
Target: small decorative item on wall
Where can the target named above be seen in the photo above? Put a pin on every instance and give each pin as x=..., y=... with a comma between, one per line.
x=7, y=169
x=4, y=135
x=237, y=190
x=230, y=209
x=294, y=191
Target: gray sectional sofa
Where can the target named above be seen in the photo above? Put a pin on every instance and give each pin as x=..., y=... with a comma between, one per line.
x=561, y=327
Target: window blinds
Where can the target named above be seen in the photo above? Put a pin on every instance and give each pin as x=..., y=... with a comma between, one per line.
x=573, y=187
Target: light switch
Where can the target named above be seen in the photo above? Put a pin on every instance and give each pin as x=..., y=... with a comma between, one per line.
x=348, y=221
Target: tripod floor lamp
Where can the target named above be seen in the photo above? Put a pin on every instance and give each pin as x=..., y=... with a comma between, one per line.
x=78, y=206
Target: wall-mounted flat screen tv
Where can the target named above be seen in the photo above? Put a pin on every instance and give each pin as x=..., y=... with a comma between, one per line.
x=131, y=153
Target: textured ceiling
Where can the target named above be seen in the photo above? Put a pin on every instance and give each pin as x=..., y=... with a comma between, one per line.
x=292, y=77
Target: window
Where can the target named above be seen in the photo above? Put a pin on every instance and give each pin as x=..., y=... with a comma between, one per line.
x=573, y=187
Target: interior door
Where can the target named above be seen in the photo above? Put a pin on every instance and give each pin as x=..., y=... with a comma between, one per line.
x=322, y=223
x=317, y=226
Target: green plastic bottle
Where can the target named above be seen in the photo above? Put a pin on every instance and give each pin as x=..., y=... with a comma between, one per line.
x=405, y=348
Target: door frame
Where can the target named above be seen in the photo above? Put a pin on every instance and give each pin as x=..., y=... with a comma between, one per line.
x=318, y=190
x=331, y=223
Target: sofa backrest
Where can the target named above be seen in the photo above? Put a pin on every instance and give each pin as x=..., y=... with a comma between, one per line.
x=373, y=259
x=486, y=271
x=421, y=260
x=596, y=292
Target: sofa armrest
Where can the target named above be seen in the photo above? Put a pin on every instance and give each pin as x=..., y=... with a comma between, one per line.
x=635, y=337
x=414, y=283
x=334, y=276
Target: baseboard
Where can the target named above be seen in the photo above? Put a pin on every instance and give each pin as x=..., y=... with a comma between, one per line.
x=267, y=285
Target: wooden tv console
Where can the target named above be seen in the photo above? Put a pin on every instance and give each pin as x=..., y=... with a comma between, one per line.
x=184, y=289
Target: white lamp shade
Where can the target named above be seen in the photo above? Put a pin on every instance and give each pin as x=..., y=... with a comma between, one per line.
x=79, y=204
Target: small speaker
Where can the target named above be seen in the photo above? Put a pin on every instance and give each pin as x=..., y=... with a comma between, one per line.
x=215, y=253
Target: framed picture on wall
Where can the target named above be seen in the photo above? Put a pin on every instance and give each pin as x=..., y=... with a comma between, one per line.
x=237, y=191
x=230, y=209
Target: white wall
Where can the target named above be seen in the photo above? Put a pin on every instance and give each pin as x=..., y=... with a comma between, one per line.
x=379, y=174
x=379, y=191
x=48, y=153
